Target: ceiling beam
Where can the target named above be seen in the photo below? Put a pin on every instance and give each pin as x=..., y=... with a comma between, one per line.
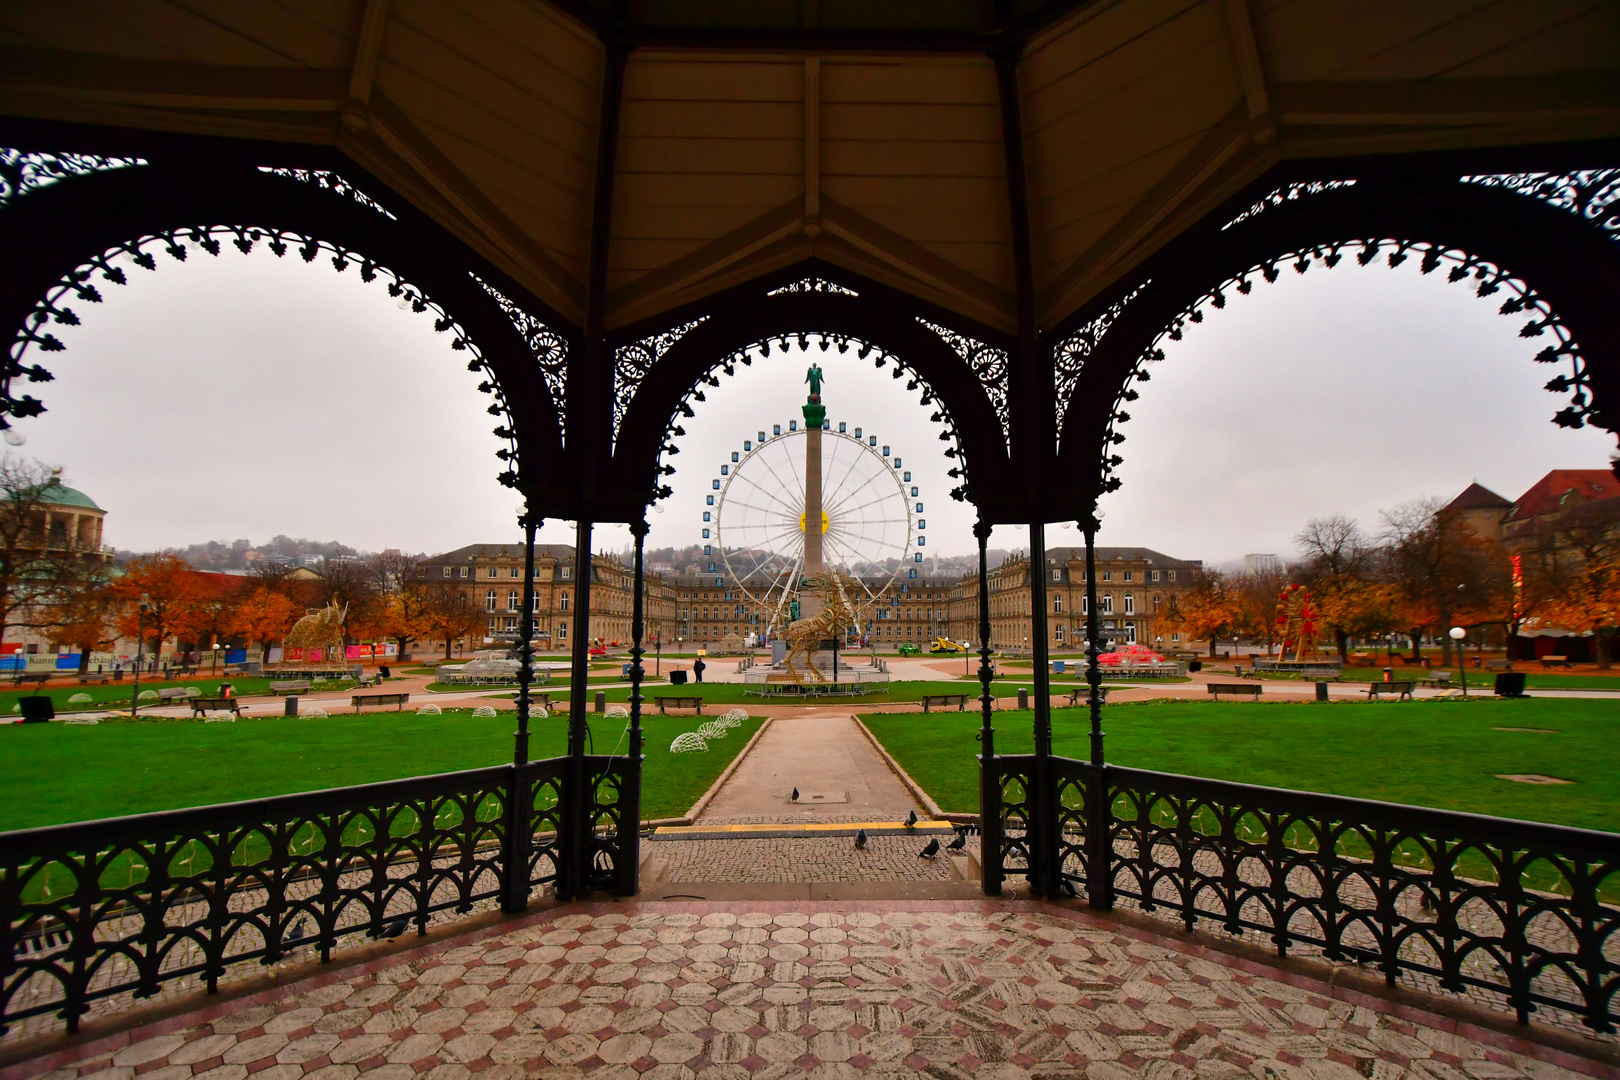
x=656, y=289
x=1241, y=29
x=367, y=48
x=984, y=301
x=1229, y=137
x=812, y=141
x=396, y=149
x=1027, y=366
x=171, y=84
x=1446, y=101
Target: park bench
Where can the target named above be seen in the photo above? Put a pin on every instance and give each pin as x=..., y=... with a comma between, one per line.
x=291, y=686
x=175, y=693
x=671, y=702
x=1401, y=690
x=1498, y=665
x=1438, y=679
x=1082, y=696
x=1216, y=689
x=100, y=677
x=360, y=701
x=202, y=705
x=943, y=700
x=1555, y=661
x=22, y=679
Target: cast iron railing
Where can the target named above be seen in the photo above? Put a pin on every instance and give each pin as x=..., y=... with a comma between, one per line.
x=128, y=906
x=1525, y=913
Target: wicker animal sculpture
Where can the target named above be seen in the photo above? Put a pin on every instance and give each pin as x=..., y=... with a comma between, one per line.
x=321, y=629
x=806, y=635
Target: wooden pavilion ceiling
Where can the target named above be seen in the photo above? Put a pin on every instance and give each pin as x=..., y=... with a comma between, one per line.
x=868, y=133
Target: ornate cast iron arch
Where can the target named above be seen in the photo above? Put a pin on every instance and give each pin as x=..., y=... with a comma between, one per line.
x=957, y=371
x=1535, y=260
x=85, y=229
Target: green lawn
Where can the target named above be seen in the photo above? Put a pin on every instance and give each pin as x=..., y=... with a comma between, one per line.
x=1442, y=754
x=119, y=695
x=59, y=772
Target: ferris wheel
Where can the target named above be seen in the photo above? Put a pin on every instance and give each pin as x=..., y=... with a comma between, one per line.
x=754, y=523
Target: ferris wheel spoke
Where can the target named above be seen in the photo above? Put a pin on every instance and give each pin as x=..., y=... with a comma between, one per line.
x=856, y=492
x=837, y=488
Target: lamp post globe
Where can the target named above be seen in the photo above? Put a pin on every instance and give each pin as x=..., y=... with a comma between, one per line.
x=1457, y=634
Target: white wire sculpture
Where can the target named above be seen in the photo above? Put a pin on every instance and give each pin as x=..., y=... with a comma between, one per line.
x=688, y=742
x=429, y=709
x=712, y=730
x=617, y=712
x=484, y=711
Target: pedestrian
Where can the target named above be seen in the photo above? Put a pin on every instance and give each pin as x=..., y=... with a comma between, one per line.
x=697, y=669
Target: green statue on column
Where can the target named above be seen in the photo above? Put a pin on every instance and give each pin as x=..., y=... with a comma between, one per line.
x=815, y=414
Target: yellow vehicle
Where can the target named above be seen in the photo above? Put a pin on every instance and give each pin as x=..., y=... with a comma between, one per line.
x=944, y=645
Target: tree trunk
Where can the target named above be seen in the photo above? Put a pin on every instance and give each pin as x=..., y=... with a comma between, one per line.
x=1416, y=634
x=447, y=647
x=1342, y=639
x=1212, y=653
x=1600, y=651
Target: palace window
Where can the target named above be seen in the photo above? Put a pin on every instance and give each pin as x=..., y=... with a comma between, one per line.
x=492, y=571
x=1058, y=633
x=447, y=571
x=1085, y=605
x=1108, y=575
x=562, y=631
x=567, y=572
x=1108, y=603
x=464, y=571
x=1057, y=575
x=512, y=600
x=1129, y=575
x=489, y=600
x=1130, y=603
x=1172, y=574
x=1153, y=575
x=1130, y=632
x=562, y=602
x=1057, y=605
x=514, y=572
x=511, y=624
x=1155, y=603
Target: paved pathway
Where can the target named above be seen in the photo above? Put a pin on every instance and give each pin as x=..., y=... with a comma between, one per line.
x=830, y=991
x=821, y=753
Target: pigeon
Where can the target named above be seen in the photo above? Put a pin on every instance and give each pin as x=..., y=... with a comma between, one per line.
x=860, y=840
x=959, y=843
x=795, y=795
x=296, y=935
x=911, y=821
x=931, y=850
x=392, y=930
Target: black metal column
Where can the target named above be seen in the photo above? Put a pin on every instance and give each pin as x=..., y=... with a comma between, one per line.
x=1043, y=843
x=989, y=771
x=573, y=878
x=519, y=831
x=1099, y=842
x=520, y=752
x=630, y=785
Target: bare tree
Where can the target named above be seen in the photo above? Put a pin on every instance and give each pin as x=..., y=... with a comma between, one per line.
x=351, y=585
x=27, y=573
x=1335, y=545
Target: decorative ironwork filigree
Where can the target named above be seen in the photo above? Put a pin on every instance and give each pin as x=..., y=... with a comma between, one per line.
x=329, y=181
x=1070, y=357
x=990, y=365
x=548, y=348
x=1288, y=193
x=633, y=362
x=22, y=172
x=1590, y=194
x=134, y=907
x=109, y=268
x=813, y=284
x=1513, y=913
x=1485, y=276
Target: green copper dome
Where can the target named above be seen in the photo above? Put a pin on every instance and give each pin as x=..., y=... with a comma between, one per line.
x=57, y=494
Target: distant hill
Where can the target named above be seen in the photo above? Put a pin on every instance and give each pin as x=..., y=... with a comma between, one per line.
x=223, y=555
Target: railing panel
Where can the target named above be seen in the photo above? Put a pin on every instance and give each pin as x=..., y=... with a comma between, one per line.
x=1522, y=914
x=117, y=910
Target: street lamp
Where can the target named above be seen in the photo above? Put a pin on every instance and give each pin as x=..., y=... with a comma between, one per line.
x=140, y=657
x=1457, y=635
x=658, y=655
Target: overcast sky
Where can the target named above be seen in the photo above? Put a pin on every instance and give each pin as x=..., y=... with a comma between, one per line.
x=244, y=396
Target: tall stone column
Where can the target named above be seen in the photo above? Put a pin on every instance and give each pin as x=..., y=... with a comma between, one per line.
x=813, y=564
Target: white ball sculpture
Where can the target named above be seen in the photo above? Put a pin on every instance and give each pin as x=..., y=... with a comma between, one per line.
x=539, y=712
x=317, y=713
x=484, y=711
x=617, y=711
x=429, y=709
x=148, y=695
x=79, y=699
x=688, y=742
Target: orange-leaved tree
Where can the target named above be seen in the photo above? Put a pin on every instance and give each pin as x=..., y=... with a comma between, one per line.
x=1207, y=608
x=264, y=614
x=172, y=588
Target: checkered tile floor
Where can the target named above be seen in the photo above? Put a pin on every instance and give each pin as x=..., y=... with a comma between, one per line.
x=773, y=991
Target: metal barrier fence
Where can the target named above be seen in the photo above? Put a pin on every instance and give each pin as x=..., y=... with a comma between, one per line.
x=126, y=907
x=1522, y=914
